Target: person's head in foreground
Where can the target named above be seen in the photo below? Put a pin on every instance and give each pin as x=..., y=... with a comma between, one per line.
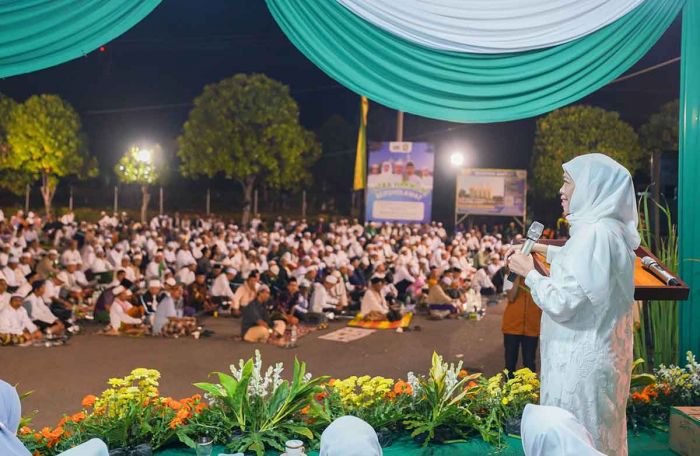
x=349, y=436
x=553, y=431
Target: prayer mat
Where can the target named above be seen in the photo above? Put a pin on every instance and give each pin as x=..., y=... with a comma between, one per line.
x=358, y=322
x=347, y=334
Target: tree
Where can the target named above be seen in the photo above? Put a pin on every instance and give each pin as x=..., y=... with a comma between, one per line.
x=576, y=130
x=45, y=142
x=142, y=166
x=247, y=128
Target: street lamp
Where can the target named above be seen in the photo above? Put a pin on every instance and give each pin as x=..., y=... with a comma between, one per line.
x=144, y=155
x=457, y=159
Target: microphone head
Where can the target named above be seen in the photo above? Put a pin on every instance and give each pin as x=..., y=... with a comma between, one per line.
x=535, y=231
x=647, y=261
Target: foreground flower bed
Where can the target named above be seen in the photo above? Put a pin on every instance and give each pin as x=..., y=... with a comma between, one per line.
x=253, y=409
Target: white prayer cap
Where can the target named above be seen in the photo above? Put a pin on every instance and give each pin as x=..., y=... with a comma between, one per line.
x=551, y=430
x=116, y=291
x=349, y=436
x=53, y=252
x=447, y=281
x=331, y=279
x=170, y=282
x=154, y=283
x=231, y=271
x=12, y=259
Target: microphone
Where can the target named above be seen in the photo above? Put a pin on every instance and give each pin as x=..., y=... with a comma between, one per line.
x=652, y=266
x=533, y=235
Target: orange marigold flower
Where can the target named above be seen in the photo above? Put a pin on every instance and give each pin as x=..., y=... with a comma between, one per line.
x=650, y=391
x=89, y=400
x=320, y=396
x=78, y=417
x=471, y=385
x=462, y=373
x=37, y=436
x=305, y=410
x=175, y=422
x=402, y=387
x=62, y=421
x=196, y=397
x=201, y=406
x=24, y=430
x=332, y=382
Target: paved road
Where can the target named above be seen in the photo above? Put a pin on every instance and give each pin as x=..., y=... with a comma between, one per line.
x=61, y=376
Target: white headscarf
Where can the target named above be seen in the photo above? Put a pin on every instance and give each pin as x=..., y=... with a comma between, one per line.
x=10, y=414
x=554, y=431
x=603, y=219
x=349, y=436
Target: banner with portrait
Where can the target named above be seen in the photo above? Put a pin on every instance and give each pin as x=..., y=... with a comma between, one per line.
x=400, y=182
x=483, y=191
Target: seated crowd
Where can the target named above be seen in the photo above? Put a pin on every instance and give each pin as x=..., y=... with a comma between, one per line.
x=160, y=277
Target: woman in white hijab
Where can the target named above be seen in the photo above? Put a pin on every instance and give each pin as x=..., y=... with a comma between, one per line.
x=349, y=436
x=10, y=414
x=586, y=332
x=550, y=431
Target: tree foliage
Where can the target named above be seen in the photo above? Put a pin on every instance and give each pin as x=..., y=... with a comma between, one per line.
x=143, y=166
x=247, y=128
x=660, y=133
x=45, y=142
x=138, y=166
x=576, y=130
x=12, y=180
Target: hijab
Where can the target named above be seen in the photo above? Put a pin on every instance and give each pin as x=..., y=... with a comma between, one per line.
x=349, y=436
x=603, y=219
x=10, y=414
x=554, y=431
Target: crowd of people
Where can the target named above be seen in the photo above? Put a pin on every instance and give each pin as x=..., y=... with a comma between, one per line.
x=158, y=278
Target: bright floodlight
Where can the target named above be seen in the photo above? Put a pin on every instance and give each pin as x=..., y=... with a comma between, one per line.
x=144, y=155
x=457, y=159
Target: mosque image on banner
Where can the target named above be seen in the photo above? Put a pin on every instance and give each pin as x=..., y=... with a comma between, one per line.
x=482, y=191
x=400, y=182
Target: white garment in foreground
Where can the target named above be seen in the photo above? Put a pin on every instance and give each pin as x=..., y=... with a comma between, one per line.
x=490, y=26
x=586, y=332
x=548, y=431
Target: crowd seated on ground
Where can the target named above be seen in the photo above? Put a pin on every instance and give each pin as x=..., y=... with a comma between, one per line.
x=159, y=278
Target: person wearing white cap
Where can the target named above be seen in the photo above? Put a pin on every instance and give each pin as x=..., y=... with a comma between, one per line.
x=350, y=436
x=156, y=268
x=16, y=328
x=554, y=431
x=71, y=254
x=322, y=300
x=4, y=295
x=123, y=317
x=150, y=299
x=13, y=275
x=40, y=313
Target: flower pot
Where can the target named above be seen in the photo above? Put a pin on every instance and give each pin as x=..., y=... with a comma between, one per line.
x=138, y=450
x=386, y=437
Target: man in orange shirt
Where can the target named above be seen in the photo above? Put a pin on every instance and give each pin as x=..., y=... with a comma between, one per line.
x=521, y=326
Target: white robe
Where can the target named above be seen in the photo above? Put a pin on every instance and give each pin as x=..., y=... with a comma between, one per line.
x=586, y=332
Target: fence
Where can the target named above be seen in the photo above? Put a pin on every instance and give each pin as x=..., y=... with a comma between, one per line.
x=185, y=198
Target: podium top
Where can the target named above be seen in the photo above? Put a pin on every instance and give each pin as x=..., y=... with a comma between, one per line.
x=647, y=287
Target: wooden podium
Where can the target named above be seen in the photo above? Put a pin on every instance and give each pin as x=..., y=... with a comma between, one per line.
x=647, y=287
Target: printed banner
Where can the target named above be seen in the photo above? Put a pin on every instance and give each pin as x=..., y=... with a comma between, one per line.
x=400, y=182
x=491, y=192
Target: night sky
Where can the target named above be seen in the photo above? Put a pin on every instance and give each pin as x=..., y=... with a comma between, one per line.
x=141, y=86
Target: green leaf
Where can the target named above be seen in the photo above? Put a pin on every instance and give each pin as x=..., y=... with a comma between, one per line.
x=301, y=430
x=184, y=438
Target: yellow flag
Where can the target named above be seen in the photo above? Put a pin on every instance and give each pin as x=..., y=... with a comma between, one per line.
x=361, y=154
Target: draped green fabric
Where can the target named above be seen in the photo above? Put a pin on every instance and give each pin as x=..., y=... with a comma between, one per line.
x=688, y=178
x=461, y=86
x=36, y=34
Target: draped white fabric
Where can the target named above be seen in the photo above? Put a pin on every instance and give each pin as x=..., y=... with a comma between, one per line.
x=490, y=26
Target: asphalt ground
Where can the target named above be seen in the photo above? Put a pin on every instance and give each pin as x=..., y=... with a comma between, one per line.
x=61, y=376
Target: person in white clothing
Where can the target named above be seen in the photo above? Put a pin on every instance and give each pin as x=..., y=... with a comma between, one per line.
x=16, y=328
x=322, y=301
x=4, y=295
x=40, y=313
x=587, y=312
x=551, y=430
x=156, y=268
x=120, y=314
